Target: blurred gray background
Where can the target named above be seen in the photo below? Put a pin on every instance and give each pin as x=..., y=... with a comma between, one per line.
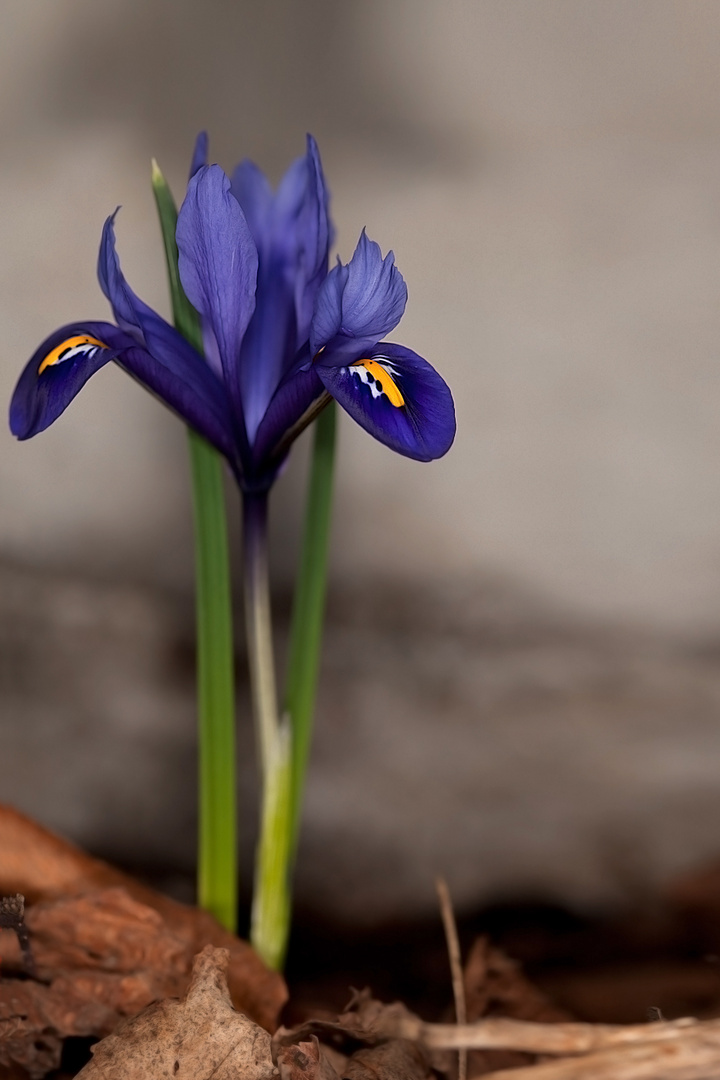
x=522, y=682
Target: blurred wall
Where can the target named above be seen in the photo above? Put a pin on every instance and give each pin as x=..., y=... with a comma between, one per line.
x=548, y=174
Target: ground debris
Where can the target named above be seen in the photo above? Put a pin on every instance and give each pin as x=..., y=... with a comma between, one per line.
x=496, y=986
x=359, y=1039
x=306, y=1061
x=103, y=948
x=12, y=917
x=197, y=1038
x=99, y=958
x=44, y=867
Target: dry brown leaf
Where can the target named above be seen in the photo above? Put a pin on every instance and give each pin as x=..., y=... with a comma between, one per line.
x=103, y=957
x=42, y=866
x=305, y=1061
x=394, y=1060
x=366, y=1022
x=105, y=930
x=199, y=1038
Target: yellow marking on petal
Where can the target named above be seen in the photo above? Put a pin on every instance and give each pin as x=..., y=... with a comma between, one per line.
x=386, y=381
x=74, y=345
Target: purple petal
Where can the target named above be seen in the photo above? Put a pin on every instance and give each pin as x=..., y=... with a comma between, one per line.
x=175, y=371
x=357, y=304
x=128, y=309
x=316, y=232
x=268, y=346
x=218, y=265
x=193, y=392
x=399, y=398
x=252, y=190
x=293, y=397
x=292, y=231
x=64, y=362
x=200, y=154
x=134, y=316
x=58, y=370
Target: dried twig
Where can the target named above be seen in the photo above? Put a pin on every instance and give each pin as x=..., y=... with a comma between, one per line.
x=693, y=1055
x=685, y=1049
x=453, y=947
x=533, y=1038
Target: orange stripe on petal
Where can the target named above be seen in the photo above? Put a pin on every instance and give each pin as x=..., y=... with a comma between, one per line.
x=78, y=345
x=385, y=381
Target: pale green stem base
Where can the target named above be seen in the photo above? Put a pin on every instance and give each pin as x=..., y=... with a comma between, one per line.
x=270, y=918
x=271, y=901
x=284, y=743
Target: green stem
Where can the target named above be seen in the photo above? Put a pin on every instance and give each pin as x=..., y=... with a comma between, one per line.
x=217, y=812
x=271, y=900
x=309, y=606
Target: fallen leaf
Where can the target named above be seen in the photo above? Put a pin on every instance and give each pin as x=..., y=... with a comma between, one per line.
x=393, y=1060
x=361, y=1032
x=305, y=1061
x=42, y=866
x=101, y=957
x=198, y=1038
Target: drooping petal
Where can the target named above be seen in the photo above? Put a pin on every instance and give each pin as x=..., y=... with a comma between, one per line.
x=218, y=264
x=398, y=397
x=357, y=304
x=194, y=393
x=57, y=371
x=65, y=361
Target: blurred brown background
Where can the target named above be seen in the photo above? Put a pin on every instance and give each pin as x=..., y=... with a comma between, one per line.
x=521, y=685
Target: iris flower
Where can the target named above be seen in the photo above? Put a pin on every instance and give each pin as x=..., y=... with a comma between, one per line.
x=281, y=333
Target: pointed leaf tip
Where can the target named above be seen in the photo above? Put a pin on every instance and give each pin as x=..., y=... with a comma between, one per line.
x=157, y=176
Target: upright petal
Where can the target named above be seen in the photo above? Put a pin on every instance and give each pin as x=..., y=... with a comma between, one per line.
x=268, y=345
x=131, y=313
x=251, y=188
x=127, y=308
x=218, y=264
x=291, y=231
x=316, y=234
x=291, y=228
x=398, y=397
x=200, y=154
x=357, y=304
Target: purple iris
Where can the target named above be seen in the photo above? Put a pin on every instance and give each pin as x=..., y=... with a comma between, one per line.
x=281, y=334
